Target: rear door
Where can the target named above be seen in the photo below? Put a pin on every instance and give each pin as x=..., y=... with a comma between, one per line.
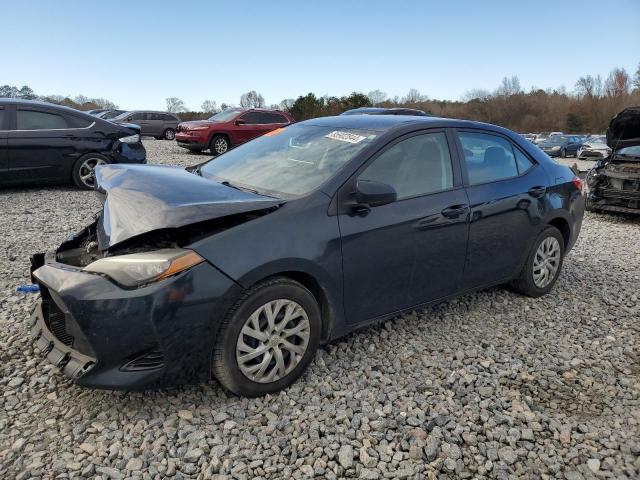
x=506, y=191
x=155, y=123
x=4, y=155
x=42, y=145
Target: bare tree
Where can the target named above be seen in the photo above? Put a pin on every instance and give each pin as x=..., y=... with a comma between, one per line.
x=476, y=94
x=104, y=103
x=252, y=99
x=209, y=106
x=80, y=99
x=636, y=78
x=617, y=83
x=376, y=97
x=509, y=86
x=414, y=96
x=175, y=105
x=286, y=104
x=585, y=86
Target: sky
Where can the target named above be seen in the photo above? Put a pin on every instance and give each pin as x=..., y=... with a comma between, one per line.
x=138, y=53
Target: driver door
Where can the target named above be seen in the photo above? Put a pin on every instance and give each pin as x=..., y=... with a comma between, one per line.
x=411, y=251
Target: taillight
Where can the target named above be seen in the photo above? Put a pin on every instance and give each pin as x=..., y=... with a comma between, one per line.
x=577, y=181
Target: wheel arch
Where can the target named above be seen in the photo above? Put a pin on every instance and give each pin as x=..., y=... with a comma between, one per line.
x=227, y=135
x=562, y=224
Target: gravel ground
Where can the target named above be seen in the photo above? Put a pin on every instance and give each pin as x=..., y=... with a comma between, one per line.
x=490, y=385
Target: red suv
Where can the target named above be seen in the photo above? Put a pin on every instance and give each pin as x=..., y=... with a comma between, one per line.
x=229, y=128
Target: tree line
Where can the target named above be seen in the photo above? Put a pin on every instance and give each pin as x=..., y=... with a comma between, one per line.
x=586, y=109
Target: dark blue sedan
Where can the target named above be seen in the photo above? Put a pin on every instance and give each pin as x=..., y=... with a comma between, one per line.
x=240, y=268
x=561, y=145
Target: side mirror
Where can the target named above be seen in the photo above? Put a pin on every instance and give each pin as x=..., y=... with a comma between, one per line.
x=240, y=122
x=374, y=194
x=130, y=119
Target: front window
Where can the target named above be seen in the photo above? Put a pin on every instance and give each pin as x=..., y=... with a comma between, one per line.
x=224, y=116
x=290, y=161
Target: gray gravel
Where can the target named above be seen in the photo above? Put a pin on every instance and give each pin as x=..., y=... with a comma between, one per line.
x=492, y=384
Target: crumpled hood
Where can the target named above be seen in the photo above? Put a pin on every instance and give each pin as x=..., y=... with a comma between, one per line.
x=142, y=198
x=624, y=129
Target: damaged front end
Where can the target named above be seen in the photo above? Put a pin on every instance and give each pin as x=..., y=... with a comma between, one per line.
x=614, y=185
x=126, y=303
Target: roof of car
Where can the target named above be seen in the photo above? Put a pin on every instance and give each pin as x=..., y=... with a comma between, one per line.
x=387, y=122
x=38, y=103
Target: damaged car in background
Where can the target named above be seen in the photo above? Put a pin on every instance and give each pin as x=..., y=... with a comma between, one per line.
x=240, y=268
x=613, y=184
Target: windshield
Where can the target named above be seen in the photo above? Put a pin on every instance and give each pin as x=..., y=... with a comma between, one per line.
x=596, y=139
x=122, y=116
x=288, y=161
x=557, y=139
x=633, y=151
x=224, y=116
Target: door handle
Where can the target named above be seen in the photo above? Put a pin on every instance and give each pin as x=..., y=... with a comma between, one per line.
x=537, y=192
x=454, y=211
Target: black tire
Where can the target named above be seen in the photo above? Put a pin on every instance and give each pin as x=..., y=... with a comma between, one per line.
x=169, y=134
x=225, y=366
x=219, y=144
x=563, y=153
x=524, y=283
x=79, y=171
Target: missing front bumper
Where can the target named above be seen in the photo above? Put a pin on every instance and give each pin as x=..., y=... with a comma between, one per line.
x=71, y=362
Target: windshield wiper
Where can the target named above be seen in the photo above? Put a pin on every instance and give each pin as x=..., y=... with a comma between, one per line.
x=226, y=183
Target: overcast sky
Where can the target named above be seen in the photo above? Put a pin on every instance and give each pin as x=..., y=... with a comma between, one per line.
x=137, y=53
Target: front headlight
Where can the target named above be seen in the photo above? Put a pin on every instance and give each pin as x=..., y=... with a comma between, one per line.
x=557, y=147
x=198, y=128
x=137, y=269
x=130, y=139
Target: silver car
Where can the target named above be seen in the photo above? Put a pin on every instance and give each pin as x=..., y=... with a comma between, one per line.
x=152, y=124
x=594, y=148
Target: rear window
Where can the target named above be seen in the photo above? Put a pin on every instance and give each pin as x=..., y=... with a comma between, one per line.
x=33, y=120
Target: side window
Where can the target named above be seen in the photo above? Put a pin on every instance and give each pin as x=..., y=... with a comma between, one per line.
x=32, y=120
x=523, y=162
x=416, y=166
x=252, y=118
x=273, y=118
x=137, y=116
x=78, y=122
x=3, y=118
x=168, y=118
x=488, y=157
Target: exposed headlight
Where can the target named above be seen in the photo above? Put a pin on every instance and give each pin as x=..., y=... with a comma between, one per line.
x=130, y=139
x=138, y=269
x=557, y=147
x=585, y=147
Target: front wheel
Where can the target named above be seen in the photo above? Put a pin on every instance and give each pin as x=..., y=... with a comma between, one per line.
x=268, y=339
x=83, y=173
x=169, y=134
x=563, y=153
x=543, y=265
x=219, y=144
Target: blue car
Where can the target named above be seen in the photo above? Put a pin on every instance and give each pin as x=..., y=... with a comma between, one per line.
x=241, y=267
x=561, y=145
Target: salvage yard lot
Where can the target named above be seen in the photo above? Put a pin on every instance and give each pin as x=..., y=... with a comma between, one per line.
x=490, y=384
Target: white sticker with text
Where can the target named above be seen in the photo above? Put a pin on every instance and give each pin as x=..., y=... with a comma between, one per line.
x=345, y=137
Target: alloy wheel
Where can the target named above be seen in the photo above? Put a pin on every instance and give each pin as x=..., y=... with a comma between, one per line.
x=220, y=146
x=546, y=262
x=87, y=171
x=170, y=134
x=273, y=341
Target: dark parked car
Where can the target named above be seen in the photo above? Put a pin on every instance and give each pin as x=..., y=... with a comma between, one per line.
x=386, y=111
x=109, y=114
x=561, y=145
x=614, y=182
x=243, y=267
x=229, y=128
x=45, y=143
x=152, y=124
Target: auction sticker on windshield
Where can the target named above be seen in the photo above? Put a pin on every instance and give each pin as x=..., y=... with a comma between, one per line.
x=345, y=137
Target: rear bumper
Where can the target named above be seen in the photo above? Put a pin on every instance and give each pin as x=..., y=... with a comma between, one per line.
x=120, y=339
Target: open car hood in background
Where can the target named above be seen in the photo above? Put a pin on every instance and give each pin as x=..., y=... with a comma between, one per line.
x=624, y=129
x=141, y=198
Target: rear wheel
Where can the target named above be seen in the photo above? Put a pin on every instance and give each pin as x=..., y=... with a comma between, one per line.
x=267, y=339
x=83, y=173
x=219, y=144
x=543, y=265
x=169, y=134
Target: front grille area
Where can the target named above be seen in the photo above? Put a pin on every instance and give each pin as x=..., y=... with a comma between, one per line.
x=56, y=321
